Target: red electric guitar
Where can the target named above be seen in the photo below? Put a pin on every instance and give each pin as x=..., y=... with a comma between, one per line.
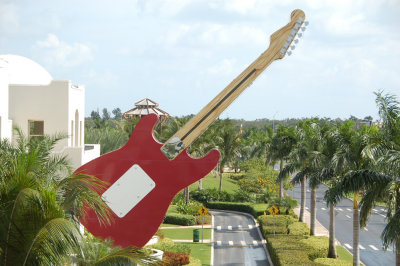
x=145, y=175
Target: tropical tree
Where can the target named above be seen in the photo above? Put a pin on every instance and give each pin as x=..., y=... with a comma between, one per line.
x=279, y=149
x=380, y=180
x=41, y=202
x=349, y=157
x=227, y=139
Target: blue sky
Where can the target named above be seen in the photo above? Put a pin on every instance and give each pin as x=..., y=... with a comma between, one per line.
x=182, y=53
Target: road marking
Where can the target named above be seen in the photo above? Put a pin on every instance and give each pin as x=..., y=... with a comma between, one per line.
x=240, y=226
x=340, y=209
x=250, y=226
x=361, y=247
x=308, y=190
x=230, y=243
x=306, y=208
x=219, y=243
x=374, y=210
x=382, y=215
x=383, y=210
x=373, y=247
x=323, y=209
x=229, y=227
x=348, y=216
x=255, y=243
x=348, y=246
x=218, y=227
x=243, y=243
x=349, y=209
x=366, y=229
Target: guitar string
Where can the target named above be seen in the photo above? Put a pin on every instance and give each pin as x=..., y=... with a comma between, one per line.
x=218, y=104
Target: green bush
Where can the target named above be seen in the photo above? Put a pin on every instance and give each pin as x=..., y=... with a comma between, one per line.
x=269, y=229
x=167, y=244
x=298, y=229
x=280, y=220
x=288, y=250
x=318, y=246
x=207, y=219
x=334, y=262
x=232, y=206
x=180, y=219
x=189, y=209
x=210, y=194
x=243, y=196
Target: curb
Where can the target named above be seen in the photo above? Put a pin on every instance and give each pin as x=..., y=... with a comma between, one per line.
x=212, y=240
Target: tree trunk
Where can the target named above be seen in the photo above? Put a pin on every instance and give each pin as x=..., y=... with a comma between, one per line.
x=313, y=211
x=200, y=184
x=356, y=232
x=186, y=194
x=332, y=241
x=398, y=251
x=281, y=181
x=220, y=181
x=303, y=199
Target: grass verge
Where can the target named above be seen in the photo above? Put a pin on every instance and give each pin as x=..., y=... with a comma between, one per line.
x=200, y=251
x=210, y=181
x=185, y=233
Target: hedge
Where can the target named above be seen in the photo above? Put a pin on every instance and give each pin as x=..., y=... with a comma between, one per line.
x=298, y=229
x=180, y=219
x=288, y=250
x=236, y=206
x=318, y=246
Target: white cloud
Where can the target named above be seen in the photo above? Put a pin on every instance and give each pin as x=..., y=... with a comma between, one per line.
x=61, y=53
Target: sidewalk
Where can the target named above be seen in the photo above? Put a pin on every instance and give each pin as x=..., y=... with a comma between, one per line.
x=191, y=241
x=320, y=230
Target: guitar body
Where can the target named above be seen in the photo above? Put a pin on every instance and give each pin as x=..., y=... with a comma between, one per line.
x=142, y=221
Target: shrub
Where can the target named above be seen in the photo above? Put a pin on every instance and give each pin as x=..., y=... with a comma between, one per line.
x=285, y=204
x=205, y=195
x=172, y=258
x=207, y=219
x=167, y=244
x=180, y=219
x=298, y=229
x=232, y=206
x=243, y=196
x=269, y=229
x=190, y=209
x=288, y=250
x=280, y=220
x=318, y=246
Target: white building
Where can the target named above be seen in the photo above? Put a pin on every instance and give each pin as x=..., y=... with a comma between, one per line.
x=31, y=100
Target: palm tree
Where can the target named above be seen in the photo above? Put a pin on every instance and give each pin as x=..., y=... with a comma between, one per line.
x=41, y=202
x=380, y=181
x=227, y=138
x=349, y=157
x=279, y=149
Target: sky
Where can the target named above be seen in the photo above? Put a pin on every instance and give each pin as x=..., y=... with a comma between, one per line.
x=181, y=54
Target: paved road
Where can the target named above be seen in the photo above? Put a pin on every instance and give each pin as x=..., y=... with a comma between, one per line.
x=371, y=252
x=237, y=241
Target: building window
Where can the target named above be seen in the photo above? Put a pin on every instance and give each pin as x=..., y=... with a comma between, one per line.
x=36, y=129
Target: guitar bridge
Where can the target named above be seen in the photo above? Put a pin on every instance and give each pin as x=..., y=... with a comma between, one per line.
x=173, y=147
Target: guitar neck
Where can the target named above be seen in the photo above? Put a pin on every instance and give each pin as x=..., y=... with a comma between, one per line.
x=279, y=43
x=187, y=134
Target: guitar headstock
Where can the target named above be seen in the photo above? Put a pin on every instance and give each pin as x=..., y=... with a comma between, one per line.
x=282, y=39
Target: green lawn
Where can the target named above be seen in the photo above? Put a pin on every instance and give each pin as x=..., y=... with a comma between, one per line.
x=210, y=181
x=200, y=251
x=344, y=254
x=185, y=233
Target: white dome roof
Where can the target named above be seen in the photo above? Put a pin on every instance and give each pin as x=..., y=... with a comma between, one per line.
x=22, y=70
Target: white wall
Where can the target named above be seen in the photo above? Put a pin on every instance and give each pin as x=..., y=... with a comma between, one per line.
x=48, y=103
x=76, y=128
x=5, y=123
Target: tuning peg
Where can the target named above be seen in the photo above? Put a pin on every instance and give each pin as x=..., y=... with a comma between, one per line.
x=306, y=23
x=292, y=47
x=299, y=35
x=289, y=53
x=303, y=28
x=296, y=41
